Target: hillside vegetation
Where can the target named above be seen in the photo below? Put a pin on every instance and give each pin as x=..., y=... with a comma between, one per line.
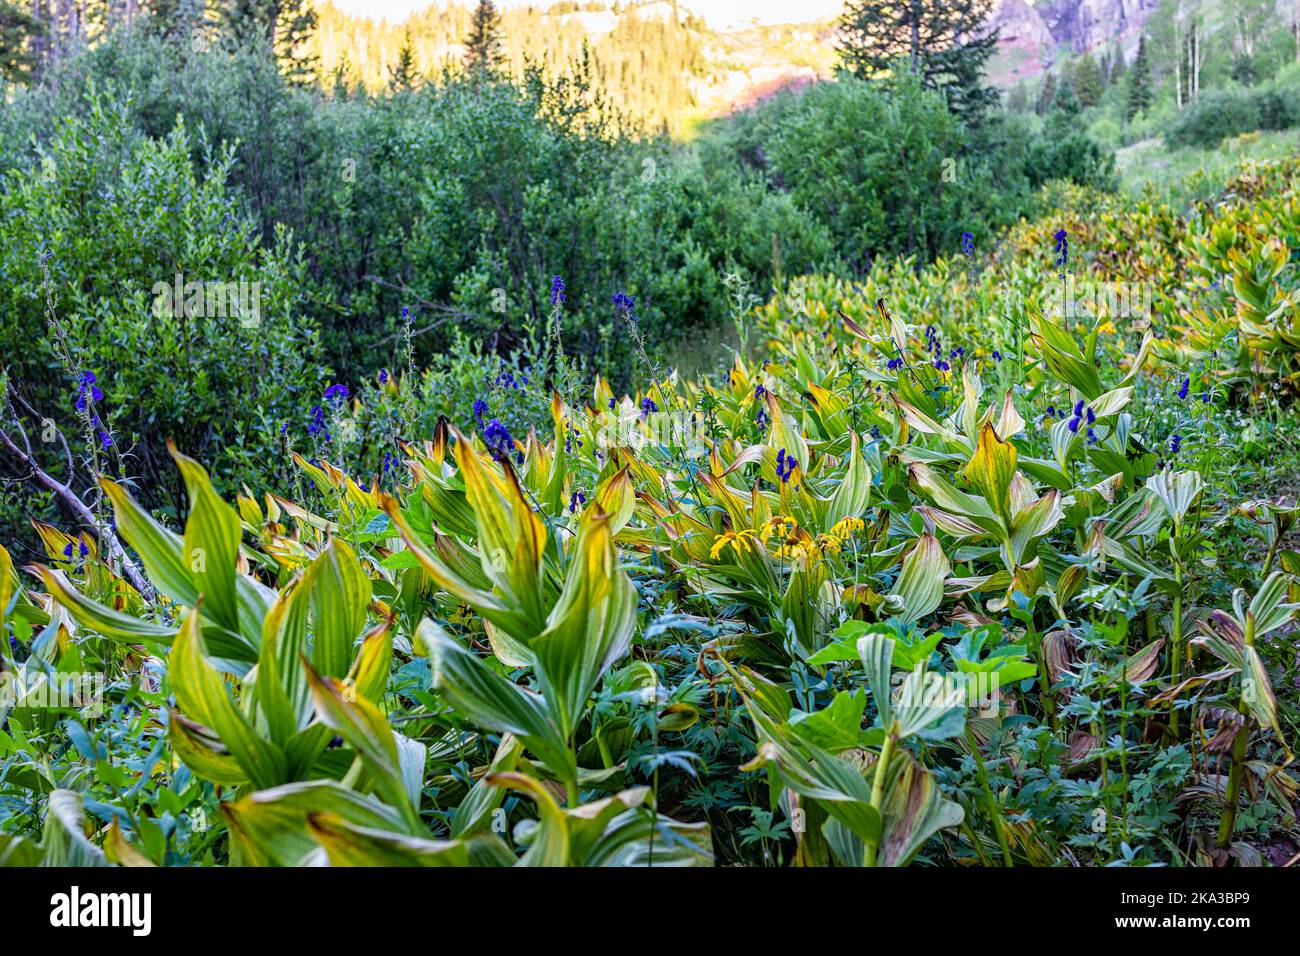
x=462, y=474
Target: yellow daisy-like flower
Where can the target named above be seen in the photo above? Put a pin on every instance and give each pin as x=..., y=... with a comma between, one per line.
x=846, y=527
x=797, y=549
x=781, y=526
x=1107, y=328
x=828, y=544
x=736, y=540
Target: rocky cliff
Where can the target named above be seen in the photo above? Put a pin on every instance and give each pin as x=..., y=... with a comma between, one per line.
x=1035, y=34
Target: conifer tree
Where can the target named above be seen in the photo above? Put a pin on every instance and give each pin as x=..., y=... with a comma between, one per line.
x=1065, y=101
x=17, y=55
x=484, y=44
x=403, y=76
x=1087, y=81
x=284, y=25
x=1117, y=66
x=944, y=42
x=1139, y=81
x=1047, y=95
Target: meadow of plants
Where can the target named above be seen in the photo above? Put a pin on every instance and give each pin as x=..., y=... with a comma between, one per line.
x=983, y=562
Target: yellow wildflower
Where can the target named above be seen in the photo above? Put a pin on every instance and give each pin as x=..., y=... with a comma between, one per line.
x=847, y=527
x=828, y=544
x=737, y=541
x=781, y=525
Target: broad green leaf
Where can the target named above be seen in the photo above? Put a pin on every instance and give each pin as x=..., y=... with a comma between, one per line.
x=338, y=592
x=475, y=811
x=504, y=614
x=159, y=548
x=18, y=851
x=927, y=700
x=914, y=810
x=202, y=751
x=65, y=843
x=1257, y=691
x=1176, y=491
x=876, y=651
x=991, y=469
x=1267, y=607
x=836, y=727
x=97, y=617
x=349, y=845
x=118, y=850
x=853, y=493
x=488, y=700
x=202, y=697
x=920, y=583
x=269, y=827
x=210, y=547
x=1033, y=523
x=1061, y=353
x=550, y=843
x=589, y=628
x=366, y=728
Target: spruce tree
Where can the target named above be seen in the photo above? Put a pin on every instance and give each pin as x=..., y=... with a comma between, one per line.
x=1065, y=101
x=484, y=44
x=283, y=25
x=1117, y=66
x=1087, y=81
x=403, y=76
x=1047, y=95
x=17, y=56
x=1139, y=81
x=941, y=41
x=339, y=78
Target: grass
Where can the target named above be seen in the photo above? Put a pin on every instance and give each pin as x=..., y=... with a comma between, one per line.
x=1181, y=176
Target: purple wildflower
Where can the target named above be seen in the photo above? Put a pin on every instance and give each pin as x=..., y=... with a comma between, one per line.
x=87, y=387
x=497, y=438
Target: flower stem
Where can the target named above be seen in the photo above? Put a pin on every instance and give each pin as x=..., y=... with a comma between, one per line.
x=878, y=791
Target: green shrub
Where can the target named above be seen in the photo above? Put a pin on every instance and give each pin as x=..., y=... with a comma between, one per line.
x=894, y=172
x=118, y=217
x=1279, y=107
x=1214, y=115
x=460, y=199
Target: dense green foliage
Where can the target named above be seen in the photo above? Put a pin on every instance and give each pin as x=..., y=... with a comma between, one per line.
x=893, y=172
x=109, y=213
x=1219, y=114
x=381, y=227
x=862, y=484
x=733, y=621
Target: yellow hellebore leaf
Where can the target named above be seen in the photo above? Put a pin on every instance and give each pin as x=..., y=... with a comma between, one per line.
x=991, y=469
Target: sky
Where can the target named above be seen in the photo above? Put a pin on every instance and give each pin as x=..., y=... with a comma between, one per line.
x=719, y=13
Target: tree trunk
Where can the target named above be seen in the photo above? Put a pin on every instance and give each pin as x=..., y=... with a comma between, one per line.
x=40, y=40
x=916, y=37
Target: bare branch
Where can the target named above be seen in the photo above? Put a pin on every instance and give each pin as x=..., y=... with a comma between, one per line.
x=108, y=540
